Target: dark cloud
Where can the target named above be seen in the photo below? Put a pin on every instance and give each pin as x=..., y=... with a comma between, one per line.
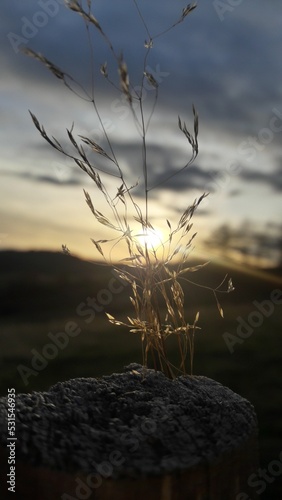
x=57, y=177
x=271, y=179
x=226, y=75
x=190, y=179
x=234, y=192
x=162, y=164
x=55, y=168
x=58, y=180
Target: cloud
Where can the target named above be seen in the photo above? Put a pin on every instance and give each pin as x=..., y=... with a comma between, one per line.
x=234, y=192
x=192, y=178
x=226, y=75
x=162, y=163
x=272, y=179
x=60, y=176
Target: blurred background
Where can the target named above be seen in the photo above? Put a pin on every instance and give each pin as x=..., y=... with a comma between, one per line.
x=225, y=60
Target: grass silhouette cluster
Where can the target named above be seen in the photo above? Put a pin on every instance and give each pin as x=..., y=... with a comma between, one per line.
x=154, y=272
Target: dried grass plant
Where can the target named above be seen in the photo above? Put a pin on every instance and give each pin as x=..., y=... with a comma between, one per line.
x=154, y=274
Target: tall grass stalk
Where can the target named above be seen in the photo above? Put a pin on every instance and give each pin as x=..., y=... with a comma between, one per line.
x=153, y=272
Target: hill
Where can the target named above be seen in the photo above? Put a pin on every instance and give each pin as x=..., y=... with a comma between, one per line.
x=35, y=284
x=35, y=264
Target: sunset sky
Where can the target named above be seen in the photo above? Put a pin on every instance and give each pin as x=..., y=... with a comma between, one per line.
x=225, y=60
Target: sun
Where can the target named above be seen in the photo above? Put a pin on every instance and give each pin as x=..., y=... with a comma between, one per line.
x=152, y=238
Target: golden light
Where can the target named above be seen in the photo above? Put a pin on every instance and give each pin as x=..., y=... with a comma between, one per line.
x=152, y=238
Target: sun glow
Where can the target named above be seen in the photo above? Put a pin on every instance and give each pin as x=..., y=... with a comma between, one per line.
x=152, y=238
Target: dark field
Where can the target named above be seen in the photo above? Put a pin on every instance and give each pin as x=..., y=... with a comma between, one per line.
x=43, y=292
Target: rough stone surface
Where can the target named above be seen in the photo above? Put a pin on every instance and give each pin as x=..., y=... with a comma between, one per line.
x=135, y=422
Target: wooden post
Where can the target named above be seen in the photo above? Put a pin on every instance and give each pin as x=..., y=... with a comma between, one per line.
x=223, y=479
